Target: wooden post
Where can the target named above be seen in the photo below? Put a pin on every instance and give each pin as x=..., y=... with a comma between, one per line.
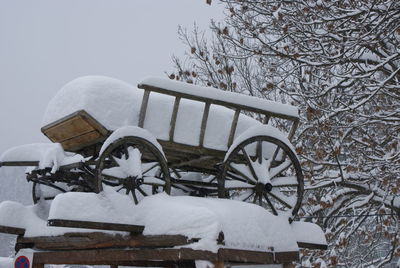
x=204, y=123
x=113, y=266
x=219, y=264
x=143, y=108
x=233, y=127
x=37, y=265
x=173, y=118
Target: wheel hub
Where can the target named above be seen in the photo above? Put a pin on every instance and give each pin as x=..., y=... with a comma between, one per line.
x=260, y=187
x=268, y=187
x=133, y=182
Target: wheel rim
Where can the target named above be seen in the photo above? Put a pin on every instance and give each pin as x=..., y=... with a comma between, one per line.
x=134, y=166
x=265, y=171
x=37, y=194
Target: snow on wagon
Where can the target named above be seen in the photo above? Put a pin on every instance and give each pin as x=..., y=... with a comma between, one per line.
x=164, y=136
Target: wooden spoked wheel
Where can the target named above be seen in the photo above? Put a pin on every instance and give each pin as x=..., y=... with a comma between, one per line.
x=265, y=171
x=134, y=166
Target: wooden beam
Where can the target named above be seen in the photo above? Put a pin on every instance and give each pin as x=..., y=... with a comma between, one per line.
x=173, y=118
x=11, y=230
x=233, y=127
x=79, y=241
x=19, y=164
x=204, y=123
x=106, y=257
x=245, y=256
x=143, y=108
x=286, y=257
x=136, y=229
x=312, y=245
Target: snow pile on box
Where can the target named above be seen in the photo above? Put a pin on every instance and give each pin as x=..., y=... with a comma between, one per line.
x=245, y=225
x=30, y=218
x=48, y=155
x=115, y=104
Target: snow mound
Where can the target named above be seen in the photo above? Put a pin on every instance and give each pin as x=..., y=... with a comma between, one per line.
x=49, y=155
x=244, y=225
x=29, y=218
x=112, y=102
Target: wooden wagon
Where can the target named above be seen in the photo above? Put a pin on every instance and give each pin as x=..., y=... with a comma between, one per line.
x=256, y=165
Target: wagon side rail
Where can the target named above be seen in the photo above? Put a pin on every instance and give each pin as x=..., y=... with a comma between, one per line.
x=237, y=102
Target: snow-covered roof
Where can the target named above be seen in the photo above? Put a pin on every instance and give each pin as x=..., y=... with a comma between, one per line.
x=245, y=225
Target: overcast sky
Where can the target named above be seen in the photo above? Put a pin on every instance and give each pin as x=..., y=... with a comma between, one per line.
x=46, y=43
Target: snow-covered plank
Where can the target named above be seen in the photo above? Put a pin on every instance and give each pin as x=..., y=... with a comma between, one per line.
x=97, y=240
x=137, y=229
x=11, y=230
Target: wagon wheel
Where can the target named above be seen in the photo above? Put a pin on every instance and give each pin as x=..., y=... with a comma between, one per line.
x=265, y=171
x=135, y=166
x=38, y=194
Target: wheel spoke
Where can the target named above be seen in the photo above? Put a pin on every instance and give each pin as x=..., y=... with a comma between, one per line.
x=142, y=191
x=290, y=181
x=270, y=204
x=282, y=167
x=126, y=151
x=147, y=170
x=249, y=194
x=134, y=197
x=237, y=185
x=280, y=200
x=255, y=197
x=235, y=168
x=260, y=200
x=259, y=152
x=250, y=163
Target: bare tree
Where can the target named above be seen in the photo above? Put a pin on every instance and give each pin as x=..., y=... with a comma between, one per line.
x=339, y=61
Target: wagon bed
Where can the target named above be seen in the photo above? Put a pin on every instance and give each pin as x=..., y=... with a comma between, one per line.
x=81, y=132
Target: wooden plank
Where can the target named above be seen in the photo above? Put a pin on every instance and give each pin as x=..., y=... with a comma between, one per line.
x=173, y=118
x=73, y=125
x=227, y=104
x=81, y=141
x=233, y=127
x=106, y=257
x=245, y=256
x=68, y=129
x=143, y=108
x=286, y=257
x=19, y=164
x=75, y=241
x=11, y=230
x=137, y=229
x=312, y=245
x=204, y=123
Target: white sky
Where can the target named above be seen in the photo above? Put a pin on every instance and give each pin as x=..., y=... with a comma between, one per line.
x=46, y=43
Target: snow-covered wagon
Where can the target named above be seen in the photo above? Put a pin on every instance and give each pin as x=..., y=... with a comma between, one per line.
x=165, y=136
